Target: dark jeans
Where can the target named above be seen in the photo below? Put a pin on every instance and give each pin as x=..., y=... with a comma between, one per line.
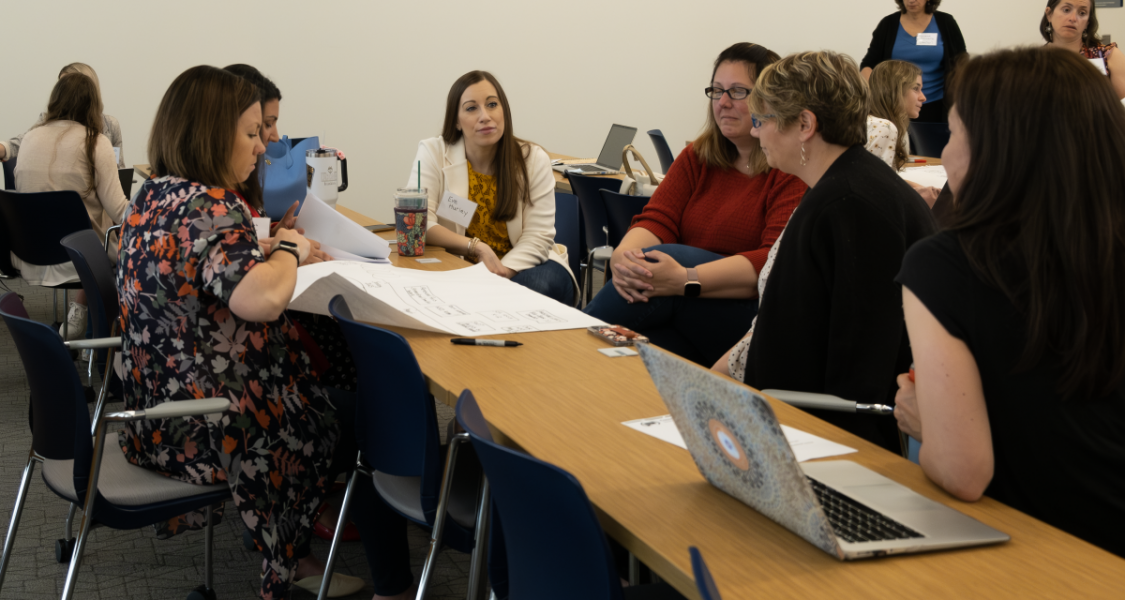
x=382, y=530
x=698, y=329
x=550, y=279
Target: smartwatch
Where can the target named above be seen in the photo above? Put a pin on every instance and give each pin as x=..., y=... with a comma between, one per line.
x=291, y=248
x=692, y=289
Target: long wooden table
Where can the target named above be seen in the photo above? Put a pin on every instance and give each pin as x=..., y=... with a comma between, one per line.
x=561, y=401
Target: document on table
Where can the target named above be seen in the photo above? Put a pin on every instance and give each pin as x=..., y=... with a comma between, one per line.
x=806, y=446
x=464, y=302
x=932, y=175
x=324, y=223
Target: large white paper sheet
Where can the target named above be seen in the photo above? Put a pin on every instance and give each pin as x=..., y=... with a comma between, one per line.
x=466, y=302
x=806, y=446
x=324, y=224
x=931, y=175
x=339, y=254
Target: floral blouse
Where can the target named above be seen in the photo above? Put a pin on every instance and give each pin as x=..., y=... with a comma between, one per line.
x=882, y=136
x=482, y=190
x=1099, y=51
x=183, y=250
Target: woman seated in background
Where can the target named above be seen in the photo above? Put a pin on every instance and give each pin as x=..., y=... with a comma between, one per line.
x=896, y=98
x=925, y=36
x=67, y=151
x=212, y=324
x=1073, y=25
x=107, y=125
x=686, y=273
x=1014, y=312
x=830, y=320
x=478, y=157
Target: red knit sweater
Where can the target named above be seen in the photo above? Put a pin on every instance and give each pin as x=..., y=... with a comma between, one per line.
x=721, y=210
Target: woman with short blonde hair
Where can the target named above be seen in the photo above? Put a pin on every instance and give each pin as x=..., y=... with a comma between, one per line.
x=830, y=319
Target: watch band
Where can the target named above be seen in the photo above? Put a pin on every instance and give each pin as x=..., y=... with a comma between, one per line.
x=291, y=248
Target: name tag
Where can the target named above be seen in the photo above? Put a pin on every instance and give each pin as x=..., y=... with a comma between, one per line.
x=927, y=39
x=117, y=153
x=262, y=227
x=457, y=209
x=1100, y=64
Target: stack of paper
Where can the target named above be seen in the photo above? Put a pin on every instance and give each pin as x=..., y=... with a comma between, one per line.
x=931, y=175
x=349, y=240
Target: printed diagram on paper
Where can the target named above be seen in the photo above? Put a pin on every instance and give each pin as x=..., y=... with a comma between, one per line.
x=466, y=302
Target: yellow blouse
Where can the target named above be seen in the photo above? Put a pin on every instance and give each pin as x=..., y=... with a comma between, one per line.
x=482, y=190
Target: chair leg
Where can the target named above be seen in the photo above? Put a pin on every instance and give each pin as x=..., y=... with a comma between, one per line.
x=87, y=514
x=68, y=528
x=17, y=511
x=54, y=305
x=99, y=406
x=634, y=570
x=208, y=558
x=66, y=315
x=478, y=579
x=439, y=519
x=341, y=524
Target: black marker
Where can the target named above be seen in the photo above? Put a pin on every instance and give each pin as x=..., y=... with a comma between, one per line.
x=476, y=342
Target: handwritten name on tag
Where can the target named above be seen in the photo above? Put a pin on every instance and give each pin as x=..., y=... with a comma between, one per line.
x=262, y=227
x=927, y=39
x=457, y=209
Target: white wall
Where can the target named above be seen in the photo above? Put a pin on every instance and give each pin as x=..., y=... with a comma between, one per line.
x=371, y=77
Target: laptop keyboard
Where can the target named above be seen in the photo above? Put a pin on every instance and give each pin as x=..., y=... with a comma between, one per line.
x=854, y=522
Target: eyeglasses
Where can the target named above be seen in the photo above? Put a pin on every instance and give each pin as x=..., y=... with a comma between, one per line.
x=759, y=120
x=735, y=93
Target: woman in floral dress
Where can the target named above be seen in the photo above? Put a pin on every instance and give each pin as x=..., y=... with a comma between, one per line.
x=202, y=301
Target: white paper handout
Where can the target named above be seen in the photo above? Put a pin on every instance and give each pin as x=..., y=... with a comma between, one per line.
x=1099, y=64
x=806, y=446
x=466, y=302
x=324, y=224
x=457, y=209
x=931, y=175
x=261, y=227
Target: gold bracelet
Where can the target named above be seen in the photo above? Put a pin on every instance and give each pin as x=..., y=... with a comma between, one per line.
x=472, y=245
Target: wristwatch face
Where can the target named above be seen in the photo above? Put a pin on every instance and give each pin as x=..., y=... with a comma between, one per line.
x=692, y=289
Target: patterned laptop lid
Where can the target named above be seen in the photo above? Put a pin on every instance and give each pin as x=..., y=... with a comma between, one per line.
x=737, y=443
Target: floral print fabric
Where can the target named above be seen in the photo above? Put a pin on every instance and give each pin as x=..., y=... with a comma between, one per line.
x=184, y=248
x=482, y=190
x=882, y=136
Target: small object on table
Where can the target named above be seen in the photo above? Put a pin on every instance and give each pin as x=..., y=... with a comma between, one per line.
x=616, y=334
x=476, y=342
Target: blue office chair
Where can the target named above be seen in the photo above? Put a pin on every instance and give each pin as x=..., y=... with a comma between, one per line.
x=35, y=239
x=703, y=580
x=591, y=214
x=7, y=271
x=80, y=469
x=556, y=548
x=663, y=152
x=10, y=174
x=620, y=210
x=399, y=448
x=928, y=139
x=566, y=231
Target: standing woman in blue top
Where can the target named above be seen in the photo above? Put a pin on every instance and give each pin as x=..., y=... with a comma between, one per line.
x=922, y=35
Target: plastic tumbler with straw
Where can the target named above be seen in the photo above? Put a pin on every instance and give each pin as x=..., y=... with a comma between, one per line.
x=411, y=211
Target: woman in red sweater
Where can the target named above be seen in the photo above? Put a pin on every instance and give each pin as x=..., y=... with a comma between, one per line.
x=686, y=273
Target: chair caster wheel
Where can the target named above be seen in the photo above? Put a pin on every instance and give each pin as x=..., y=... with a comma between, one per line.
x=202, y=593
x=64, y=549
x=248, y=541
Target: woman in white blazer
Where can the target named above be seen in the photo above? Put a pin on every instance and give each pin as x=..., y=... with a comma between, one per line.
x=479, y=158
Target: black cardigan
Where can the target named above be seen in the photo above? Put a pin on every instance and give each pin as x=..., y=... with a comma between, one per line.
x=883, y=41
x=830, y=319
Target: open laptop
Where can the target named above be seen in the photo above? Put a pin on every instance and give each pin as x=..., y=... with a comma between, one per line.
x=609, y=161
x=845, y=509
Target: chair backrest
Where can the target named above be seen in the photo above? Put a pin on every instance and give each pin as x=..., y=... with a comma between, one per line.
x=10, y=174
x=928, y=139
x=620, y=210
x=34, y=223
x=591, y=208
x=96, y=272
x=396, y=423
x=126, y=177
x=61, y=428
x=566, y=228
x=703, y=580
x=663, y=152
x=556, y=547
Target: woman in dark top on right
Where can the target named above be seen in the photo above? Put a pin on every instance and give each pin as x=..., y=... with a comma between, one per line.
x=1014, y=312
x=922, y=35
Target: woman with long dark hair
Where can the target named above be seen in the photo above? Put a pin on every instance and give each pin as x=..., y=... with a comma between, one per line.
x=1014, y=312
x=478, y=156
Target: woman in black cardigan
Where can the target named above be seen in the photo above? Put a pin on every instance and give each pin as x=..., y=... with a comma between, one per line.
x=831, y=313
x=909, y=35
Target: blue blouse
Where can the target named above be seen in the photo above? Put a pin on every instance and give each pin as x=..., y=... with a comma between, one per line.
x=928, y=58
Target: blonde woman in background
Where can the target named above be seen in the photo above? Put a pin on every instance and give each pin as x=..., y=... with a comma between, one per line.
x=110, y=127
x=896, y=98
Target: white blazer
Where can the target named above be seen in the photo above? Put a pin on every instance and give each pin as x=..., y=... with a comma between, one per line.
x=532, y=231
